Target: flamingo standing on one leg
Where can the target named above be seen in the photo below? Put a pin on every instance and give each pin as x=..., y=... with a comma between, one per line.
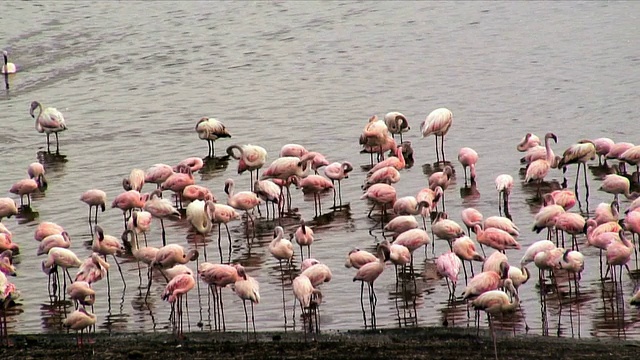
x=468, y=158
x=304, y=237
x=504, y=185
x=94, y=198
x=281, y=248
x=437, y=123
x=49, y=120
x=211, y=130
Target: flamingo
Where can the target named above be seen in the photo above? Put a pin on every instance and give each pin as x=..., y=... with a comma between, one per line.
x=108, y=245
x=252, y=158
x=281, y=248
x=28, y=187
x=619, y=254
x=197, y=192
x=545, y=218
x=211, y=130
x=448, y=266
x=465, y=248
x=396, y=162
x=269, y=192
x=437, y=123
x=446, y=229
x=441, y=178
x=60, y=257
x=387, y=175
x=218, y=276
x=528, y=141
x=616, y=185
x=8, y=295
x=494, y=261
x=502, y=223
x=538, y=169
x=178, y=287
x=223, y=214
x=243, y=200
x=336, y=172
x=92, y=269
x=169, y=256
x=616, y=150
x=314, y=184
x=468, y=158
x=485, y=281
x=45, y=229
x=495, y=238
x=49, y=120
x=62, y=240
x=146, y=254
x=579, y=153
x=8, y=67
x=606, y=212
x=135, y=180
x=497, y=303
x=308, y=296
x=603, y=146
x=432, y=197
x=399, y=255
x=471, y=217
x=548, y=260
x=632, y=157
x=6, y=263
x=94, y=198
x=317, y=272
x=573, y=262
x=375, y=134
x=193, y=163
x=304, y=237
x=7, y=244
x=358, y=258
x=177, y=182
x=409, y=205
x=504, y=185
x=78, y=321
x=127, y=201
x=293, y=150
x=380, y=194
x=368, y=273
x=157, y=174
x=318, y=161
x=199, y=215
x=565, y=198
x=388, y=145
x=7, y=208
x=81, y=293
x=400, y=224
x=571, y=223
x=413, y=239
x=534, y=249
x=34, y=170
x=160, y=208
x=140, y=223
x=247, y=288
x=396, y=123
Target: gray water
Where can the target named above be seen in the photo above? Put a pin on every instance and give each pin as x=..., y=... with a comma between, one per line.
x=132, y=79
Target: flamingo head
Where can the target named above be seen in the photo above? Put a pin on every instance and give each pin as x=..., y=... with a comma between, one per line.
x=34, y=106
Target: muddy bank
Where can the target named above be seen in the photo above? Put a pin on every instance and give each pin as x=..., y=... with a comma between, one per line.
x=432, y=343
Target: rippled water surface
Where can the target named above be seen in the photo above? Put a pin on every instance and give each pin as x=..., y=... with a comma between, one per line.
x=133, y=79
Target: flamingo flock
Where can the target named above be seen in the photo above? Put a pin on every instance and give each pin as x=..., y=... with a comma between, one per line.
x=493, y=287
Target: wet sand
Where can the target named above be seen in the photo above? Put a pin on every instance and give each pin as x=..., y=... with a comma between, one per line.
x=431, y=343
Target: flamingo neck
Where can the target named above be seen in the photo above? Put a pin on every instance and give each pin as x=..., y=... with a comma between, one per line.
x=547, y=147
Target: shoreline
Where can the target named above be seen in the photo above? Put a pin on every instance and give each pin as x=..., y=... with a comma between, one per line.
x=406, y=343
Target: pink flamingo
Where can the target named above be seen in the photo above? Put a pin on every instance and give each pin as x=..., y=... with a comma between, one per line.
x=413, y=239
x=293, y=150
x=140, y=223
x=35, y=169
x=446, y=229
x=396, y=123
x=409, y=205
x=502, y=223
x=60, y=257
x=211, y=130
x=135, y=180
x=632, y=224
x=437, y=123
x=157, y=174
x=308, y=296
x=7, y=208
x=358, y=258
x=632, y=157
x=169, y=256
x=218, y=276
x=448, y=266
x=61, y=240
x=28, y=187
x=314, y=184
x=127, y=201
x=465, y=248
x=468, y=158
x=615, y=152
x=193, y=163
x=494, y=261
x=281, y=248
x=432, y=197
x=495, y=238
x=497, y=303
x=269, y=192
x=579, y=153
x=619, y=254
x=441, y=178
x=565, y=198
x=247, y=288
x=49, y=120
x=504, y=186
x=603, y=146
x=605, y=213
x=251, y=158
x=146, y=254
x=616, y=185
x=538, y=169
x=108, y=245
x=534, y=249
x=399, y=255
x=573, y=262
x=92, y=269
x=380, y=194
x=548, y=260
x=400, y=224
x=178, y=287
x=243, y=200
x=336, y=172
x=471, y=217
x=528, y=141
x=285, y=167
x=78, y=321
x=304, y=237
x=318, y=161
x=94, y=198
x=571, y=223
x=223, y=214
x=388, y=145
x=485, y=281
x=178, y=182
x=160, y=208
x=387, y=175
x=81, y=293
x=375, y=134
x=368, y=273
x=45, y=229
x=317, y=272
x=545, y=218
x=7, y=244
x=199, y=215
x=197, y=192
x=396, y=162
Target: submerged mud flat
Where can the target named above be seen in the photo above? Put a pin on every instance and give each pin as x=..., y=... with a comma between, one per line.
x=432, y=343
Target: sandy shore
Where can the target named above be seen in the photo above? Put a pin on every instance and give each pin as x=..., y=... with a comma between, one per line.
x=431, y=343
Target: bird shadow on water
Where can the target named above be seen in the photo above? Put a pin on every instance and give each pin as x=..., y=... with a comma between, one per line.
x=52, y=162
x=26, y=214
x=213, y=166
x=429, y=169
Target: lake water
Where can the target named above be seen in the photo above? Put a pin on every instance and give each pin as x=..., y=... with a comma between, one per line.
x=132, y=80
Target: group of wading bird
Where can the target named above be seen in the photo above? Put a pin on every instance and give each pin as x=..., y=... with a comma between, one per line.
x=293, y=167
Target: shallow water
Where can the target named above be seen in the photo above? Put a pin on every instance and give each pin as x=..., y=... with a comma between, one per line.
x=133, y=80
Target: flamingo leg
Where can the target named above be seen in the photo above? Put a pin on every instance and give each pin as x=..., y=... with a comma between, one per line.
x=120, y=270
